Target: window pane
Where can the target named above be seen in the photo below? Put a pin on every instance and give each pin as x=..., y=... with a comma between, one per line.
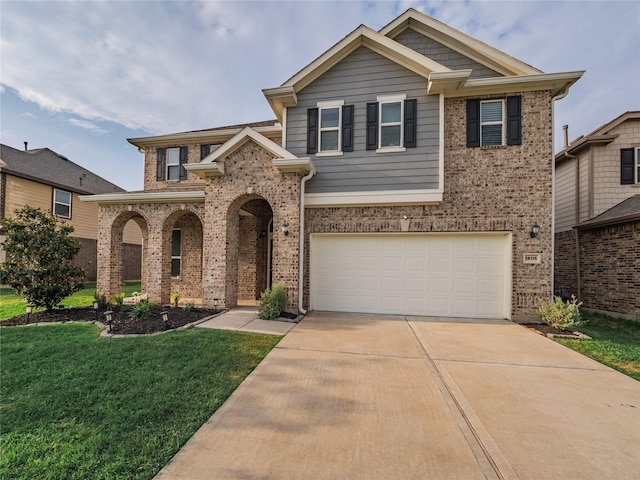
x=175, y=267
x=61, y=210
x=491, y=112
x=492, y=135
x=173, y=172
x=173, y=156
x=390, y=136
x=329, y=117
x=390, y=112
x=329, y=140
x=62, y=196
x=176, y=242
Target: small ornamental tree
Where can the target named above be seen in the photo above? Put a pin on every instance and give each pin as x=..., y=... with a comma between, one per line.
x=39, y=253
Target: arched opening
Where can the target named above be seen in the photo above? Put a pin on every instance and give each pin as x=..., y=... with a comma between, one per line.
x=249, y=221
x=182, y=257
x=129, y=234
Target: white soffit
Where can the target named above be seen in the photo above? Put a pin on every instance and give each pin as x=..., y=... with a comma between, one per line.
x=141, y=197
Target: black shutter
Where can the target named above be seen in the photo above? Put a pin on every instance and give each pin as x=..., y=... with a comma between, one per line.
x=372, y=126
x=626, y=166
x=473, y=123
x=312, y=130
x=160, y=164
x=347, y=128
x=410, y=123
x=514, y=122
x=183, y=161
x=204, y=151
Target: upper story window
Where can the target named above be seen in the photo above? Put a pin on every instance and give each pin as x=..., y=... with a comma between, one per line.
x=630, y=166
x=490, y=123
x=206, y=149
x=61, y=203
x=330, y=128
x=391, y=124
x=173, y=164
x=170, y=163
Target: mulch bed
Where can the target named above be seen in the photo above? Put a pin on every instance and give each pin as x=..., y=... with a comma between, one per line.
x=121, y=324
x=545, y=329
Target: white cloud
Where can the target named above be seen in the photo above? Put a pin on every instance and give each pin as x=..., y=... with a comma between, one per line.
x=90, y=126
x=172, y=66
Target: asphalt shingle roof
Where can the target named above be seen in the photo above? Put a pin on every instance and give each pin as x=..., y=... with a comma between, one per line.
x=46, y=166
x=625, y=211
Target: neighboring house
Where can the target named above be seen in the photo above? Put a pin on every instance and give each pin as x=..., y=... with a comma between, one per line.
x=597, y=210
x=404, y=174
x=47, y=180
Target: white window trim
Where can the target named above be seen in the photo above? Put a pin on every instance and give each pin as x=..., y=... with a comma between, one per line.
x=176, y=257
x=636, y=169
x=173, y=164
x=501, y=122
x=327, y=105
x=61, y=203
x=391, y=99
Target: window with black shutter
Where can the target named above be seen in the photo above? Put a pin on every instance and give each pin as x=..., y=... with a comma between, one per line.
x=627, y=166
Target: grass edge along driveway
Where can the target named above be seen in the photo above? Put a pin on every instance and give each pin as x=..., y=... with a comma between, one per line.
x=76, y=406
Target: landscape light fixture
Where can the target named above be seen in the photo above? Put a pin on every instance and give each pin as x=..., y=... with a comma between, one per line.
x=165, y=319
x=215, y=305
x=95, y=308
x=534, y=230
x=108, y=315
x=28, y=310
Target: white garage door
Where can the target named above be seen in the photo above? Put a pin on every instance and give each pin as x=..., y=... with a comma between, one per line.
x=453, y=275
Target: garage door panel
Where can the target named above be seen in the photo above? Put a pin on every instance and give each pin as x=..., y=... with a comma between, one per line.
x=413, y=274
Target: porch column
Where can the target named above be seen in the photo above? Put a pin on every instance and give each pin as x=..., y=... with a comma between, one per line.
x=214, y=256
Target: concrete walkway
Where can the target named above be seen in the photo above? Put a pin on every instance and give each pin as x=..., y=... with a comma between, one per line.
x=245, y=319
x=385, y=397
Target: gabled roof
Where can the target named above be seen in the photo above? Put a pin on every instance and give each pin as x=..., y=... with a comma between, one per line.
x=625, y=211
x=213, y=164
x=48, y=167
x=600, y=136
x=517, y=75
x=458, y=41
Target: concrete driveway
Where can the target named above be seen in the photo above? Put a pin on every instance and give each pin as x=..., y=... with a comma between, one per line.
x=347, y=396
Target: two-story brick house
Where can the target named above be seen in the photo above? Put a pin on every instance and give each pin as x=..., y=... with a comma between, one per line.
x=404, y=173
x=597, y=230
x=47, y=180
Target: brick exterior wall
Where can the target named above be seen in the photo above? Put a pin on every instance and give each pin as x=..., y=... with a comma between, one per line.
x=565, y=273
x=610, y=268
x=87, y=260
x=247, y=253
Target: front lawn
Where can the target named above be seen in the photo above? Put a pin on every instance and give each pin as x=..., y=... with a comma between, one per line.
x=12, y=304
x=77, y=406
x=615, y=342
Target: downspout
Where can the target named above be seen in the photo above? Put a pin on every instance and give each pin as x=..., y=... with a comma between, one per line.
x=577, y=206
x=560, y=96
x=301, y=233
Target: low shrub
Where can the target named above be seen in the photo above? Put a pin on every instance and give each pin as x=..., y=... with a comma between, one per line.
x=560, y=314
x=103, y=303
x=117, y=299
x=175, y=298
x=273, y=301
x=189, y=306
x=140, y=309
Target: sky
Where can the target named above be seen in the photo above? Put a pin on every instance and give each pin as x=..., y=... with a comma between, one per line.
x=80, y=77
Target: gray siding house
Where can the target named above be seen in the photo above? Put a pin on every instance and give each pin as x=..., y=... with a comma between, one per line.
x=407, y=171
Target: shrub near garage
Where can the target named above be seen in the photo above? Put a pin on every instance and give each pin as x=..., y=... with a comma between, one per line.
x=561, y=314
x=273, y=301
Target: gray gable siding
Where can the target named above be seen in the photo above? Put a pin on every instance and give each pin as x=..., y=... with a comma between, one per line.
x=359, y=79
x=443, y=54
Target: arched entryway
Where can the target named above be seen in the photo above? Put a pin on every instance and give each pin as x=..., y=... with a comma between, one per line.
x=182, y=257
x=249, y=221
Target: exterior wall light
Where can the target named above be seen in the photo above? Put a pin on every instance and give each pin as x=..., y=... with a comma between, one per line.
x=108, y=315
x=534, y=230
x=285, y=229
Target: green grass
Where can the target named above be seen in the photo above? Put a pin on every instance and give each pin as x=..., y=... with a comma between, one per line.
x=12, y=305
x=615, y=342
x=77, y=406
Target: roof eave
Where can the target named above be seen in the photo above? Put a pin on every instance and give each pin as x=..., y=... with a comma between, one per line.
x=196, y=196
